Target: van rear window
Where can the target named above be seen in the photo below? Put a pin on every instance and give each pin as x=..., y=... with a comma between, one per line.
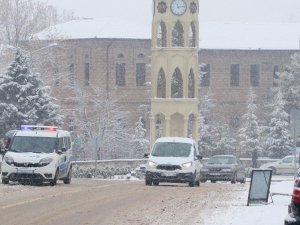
x=33, y=144
x=171, y=149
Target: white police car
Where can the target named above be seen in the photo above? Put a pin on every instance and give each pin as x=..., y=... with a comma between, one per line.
x=38, y=154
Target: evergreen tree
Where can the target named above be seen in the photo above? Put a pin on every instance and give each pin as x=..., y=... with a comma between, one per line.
x=206, y=142
x=289, y=83
x=280, y=142
x=224, y=143
x=23, y=97
x=249, y=132
x=141, y=144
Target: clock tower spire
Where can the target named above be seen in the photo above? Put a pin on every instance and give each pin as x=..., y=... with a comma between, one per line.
x=175, y=69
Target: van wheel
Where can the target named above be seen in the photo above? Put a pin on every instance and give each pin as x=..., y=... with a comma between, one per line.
x=54, y=181
x=5, y=181
x=67, y=179
x=148, y=182
x=193, y=182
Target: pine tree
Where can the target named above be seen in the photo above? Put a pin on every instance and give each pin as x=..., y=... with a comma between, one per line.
x=206, y=143
x=140, y=142
x=289, y=83
x=249, y=132
x=23, y=97
x=280, y=142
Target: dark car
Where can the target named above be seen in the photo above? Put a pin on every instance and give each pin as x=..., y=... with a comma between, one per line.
x=293, y=218
x=223, y=168
x=7, y=138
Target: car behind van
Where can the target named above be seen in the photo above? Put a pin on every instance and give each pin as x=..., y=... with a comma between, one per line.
x=38, y=154
x=175, y=160
x=286, y=165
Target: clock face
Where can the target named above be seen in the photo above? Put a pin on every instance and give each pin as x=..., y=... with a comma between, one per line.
x=178, y=7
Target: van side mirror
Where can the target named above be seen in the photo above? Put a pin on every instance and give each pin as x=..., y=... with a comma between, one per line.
x=146, y=155
x=199, y=157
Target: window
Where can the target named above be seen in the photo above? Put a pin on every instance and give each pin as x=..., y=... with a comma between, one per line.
x=235, y=75
x=191, y=85
x=177, y=84
x=161, y=84
x=254, y=75
x=87, y=74
x=205, y=75
x=120, y=74
x=56, y=77
x=177, y=35
x=275, y=76
x=161, y=35
x=192, y=35
x=71, y=75
x=140, y=74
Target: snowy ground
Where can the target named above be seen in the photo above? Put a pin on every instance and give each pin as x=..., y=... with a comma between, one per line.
x=272, y=213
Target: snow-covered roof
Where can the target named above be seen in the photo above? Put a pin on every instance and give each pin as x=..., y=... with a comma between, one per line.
x=175, y=139
x=213, y=35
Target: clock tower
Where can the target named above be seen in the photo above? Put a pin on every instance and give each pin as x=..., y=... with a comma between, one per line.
x=174, y=69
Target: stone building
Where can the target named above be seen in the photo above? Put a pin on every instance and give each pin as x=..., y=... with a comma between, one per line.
x=120, y=63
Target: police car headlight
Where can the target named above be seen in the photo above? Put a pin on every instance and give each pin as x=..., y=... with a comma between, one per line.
x=9, y=160
x=187, y=165
x=45, y=161
x=152, y=164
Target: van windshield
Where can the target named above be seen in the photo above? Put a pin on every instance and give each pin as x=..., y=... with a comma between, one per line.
x=33, y=144
x=171, y=149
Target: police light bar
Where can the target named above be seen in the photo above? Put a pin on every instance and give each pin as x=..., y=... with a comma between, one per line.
x=33, y=127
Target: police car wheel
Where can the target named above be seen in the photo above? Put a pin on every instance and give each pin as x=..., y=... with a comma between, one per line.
x=67, y=179
x=54, y=181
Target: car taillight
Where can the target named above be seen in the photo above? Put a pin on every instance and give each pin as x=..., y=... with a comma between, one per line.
x=296, y=195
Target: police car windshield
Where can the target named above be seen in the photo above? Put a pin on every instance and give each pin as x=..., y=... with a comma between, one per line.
x=33, y=144
x=171, y=149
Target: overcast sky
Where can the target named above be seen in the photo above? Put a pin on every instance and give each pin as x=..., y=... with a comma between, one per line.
x=210, y=10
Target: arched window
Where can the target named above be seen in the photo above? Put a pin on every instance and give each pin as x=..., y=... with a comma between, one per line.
x=161, y=35
x=161, y=84
x=177, y=35
x=192, y=35
x=177, y=84
x=191, y=85
x=275, y=76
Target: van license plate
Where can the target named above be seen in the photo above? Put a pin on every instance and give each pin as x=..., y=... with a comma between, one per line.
x=168, y=174
x=25, y=171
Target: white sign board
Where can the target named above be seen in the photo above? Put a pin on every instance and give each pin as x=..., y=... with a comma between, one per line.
x=260, y=186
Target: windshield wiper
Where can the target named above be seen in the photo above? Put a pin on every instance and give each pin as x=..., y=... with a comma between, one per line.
x=14, y=150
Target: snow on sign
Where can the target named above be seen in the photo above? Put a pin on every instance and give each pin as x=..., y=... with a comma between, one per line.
x=259, y=186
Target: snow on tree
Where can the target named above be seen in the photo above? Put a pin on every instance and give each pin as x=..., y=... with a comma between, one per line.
x=289, y=83
x=224, y=143
x=279, y=138
x=205, y=107
x=21, y=19
x=141, y=143
x=23, y=97
x=249, y=132
x=101, y=124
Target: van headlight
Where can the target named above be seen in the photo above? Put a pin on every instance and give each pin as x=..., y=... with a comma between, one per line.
x=9, y=160
x=187, y=165
x=45, y=161
x=152, y=164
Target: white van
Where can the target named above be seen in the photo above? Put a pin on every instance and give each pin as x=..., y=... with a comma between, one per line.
x=38, y=154
x=175, y=160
